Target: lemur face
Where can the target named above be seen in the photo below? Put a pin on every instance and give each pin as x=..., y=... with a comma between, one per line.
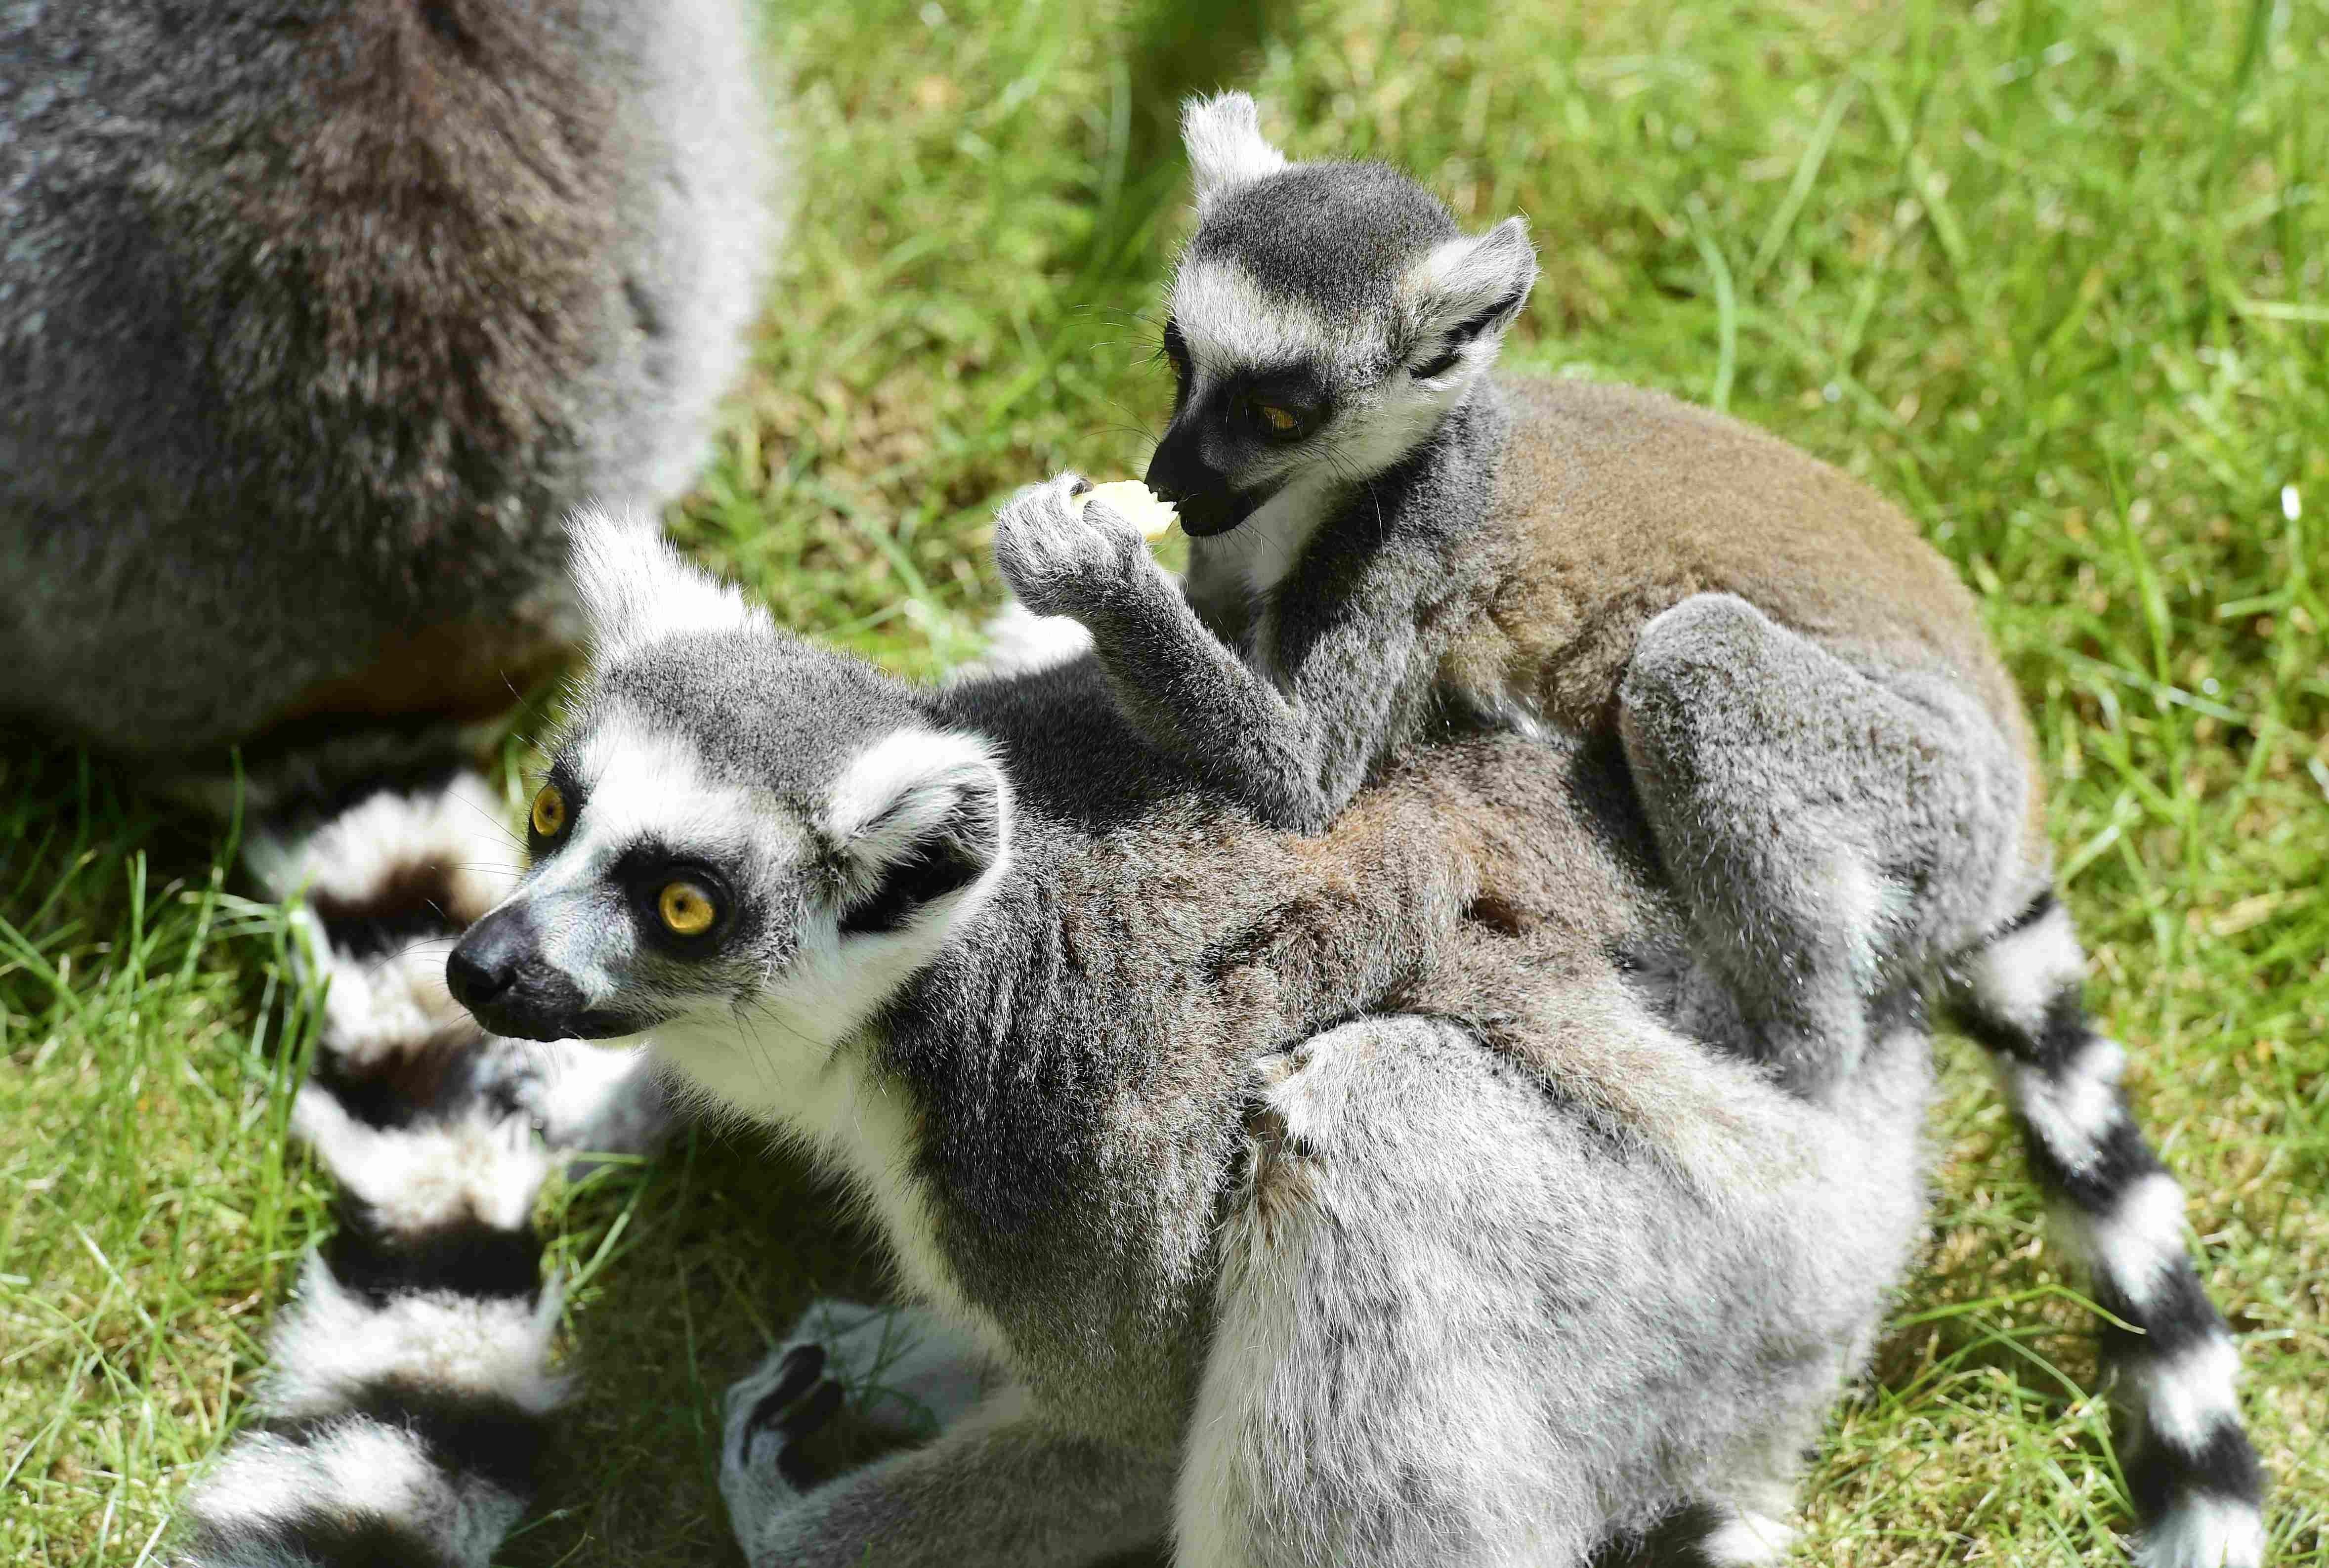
x=740, y=839
x=1322, y=321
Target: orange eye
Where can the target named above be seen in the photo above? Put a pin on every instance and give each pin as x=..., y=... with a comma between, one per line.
x=687, y=908
x=1278, y=418
x=549, y=811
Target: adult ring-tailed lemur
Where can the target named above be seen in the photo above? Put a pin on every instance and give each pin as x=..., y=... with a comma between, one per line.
x=1162, y=1114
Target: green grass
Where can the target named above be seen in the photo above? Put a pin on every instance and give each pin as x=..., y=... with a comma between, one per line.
x=2051, y=274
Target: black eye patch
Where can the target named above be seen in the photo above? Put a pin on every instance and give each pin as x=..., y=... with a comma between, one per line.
x=647, y=872
x=1274, y=406
x=1176, y=354
x=571, y=798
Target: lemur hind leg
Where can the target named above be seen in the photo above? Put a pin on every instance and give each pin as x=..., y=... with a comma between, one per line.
x=1830, y=832
x=1640, y=1309
x=1822, y=826
x=998, y=1488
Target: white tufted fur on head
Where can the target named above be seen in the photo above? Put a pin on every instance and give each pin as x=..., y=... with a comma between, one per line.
x=636, y=590
x=1479, y=282
x=1226, y=149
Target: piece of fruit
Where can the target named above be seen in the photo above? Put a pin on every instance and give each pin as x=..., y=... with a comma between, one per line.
x=1135, y=503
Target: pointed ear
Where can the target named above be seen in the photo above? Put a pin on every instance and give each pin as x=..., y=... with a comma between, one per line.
x=636, y=590
x=1226, y=150
x=1466, y=292
x=918, y=817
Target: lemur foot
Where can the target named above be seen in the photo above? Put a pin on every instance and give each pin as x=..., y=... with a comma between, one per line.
x=851, y=1381
x=770, y=1414
x=908, y=1373
x=1062, y=557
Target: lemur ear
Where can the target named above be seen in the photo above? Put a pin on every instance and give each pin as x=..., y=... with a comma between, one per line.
x=1468, y=291
x=1226, y=149
x=918, y=816
x=636, y=590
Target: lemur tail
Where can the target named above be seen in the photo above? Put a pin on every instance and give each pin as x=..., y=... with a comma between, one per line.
x=409, y=1391
x=2194, y=1479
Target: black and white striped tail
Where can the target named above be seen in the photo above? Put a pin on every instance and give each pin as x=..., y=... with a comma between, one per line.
x=2194, y=1479
x=410, y=1389
x=389, y=874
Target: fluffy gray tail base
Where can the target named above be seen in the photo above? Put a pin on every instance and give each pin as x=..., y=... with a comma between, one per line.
x=2196, y=1483
x=404, y=1413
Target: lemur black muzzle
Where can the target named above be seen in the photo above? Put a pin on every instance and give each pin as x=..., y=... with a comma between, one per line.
x=1199, y=492
x=498, y=973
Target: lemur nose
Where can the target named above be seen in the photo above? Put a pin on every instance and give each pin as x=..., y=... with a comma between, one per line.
x=485, y=964
x=473, y=983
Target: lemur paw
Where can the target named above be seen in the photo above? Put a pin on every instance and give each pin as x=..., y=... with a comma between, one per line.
x=908, y=1373
x=1061, y=557
x=583, y=1098
x=770, y=1414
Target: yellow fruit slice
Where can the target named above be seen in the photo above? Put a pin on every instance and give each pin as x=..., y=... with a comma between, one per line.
x=1133, y=501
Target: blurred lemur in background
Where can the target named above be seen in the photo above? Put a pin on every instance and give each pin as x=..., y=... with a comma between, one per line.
x=317, y=318
x=1386, y=538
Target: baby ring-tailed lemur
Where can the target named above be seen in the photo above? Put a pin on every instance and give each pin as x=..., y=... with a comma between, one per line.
x=1165, y=1114
x=1833, y=764
x=315, y=319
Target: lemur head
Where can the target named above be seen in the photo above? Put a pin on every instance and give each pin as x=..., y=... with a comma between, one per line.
x=737, y=834
x=1324, y=319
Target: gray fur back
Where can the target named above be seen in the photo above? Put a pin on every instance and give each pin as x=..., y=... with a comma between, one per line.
x=315, y=318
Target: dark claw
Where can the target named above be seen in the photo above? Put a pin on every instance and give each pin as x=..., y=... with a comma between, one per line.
x=802, y=1366
x=803, y=1420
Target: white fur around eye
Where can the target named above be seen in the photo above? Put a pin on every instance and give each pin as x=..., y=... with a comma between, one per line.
x=1230, y=325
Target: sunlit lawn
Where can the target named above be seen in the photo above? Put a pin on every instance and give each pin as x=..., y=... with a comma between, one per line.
x=2049, y=274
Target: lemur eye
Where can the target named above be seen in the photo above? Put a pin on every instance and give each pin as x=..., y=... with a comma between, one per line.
x=686, y=908
x=1281, y=419
x=549, y=811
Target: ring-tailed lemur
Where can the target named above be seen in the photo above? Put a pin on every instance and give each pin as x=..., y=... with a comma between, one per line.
x=315, y=321
x=1165, y=1114
x=1834, y=763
